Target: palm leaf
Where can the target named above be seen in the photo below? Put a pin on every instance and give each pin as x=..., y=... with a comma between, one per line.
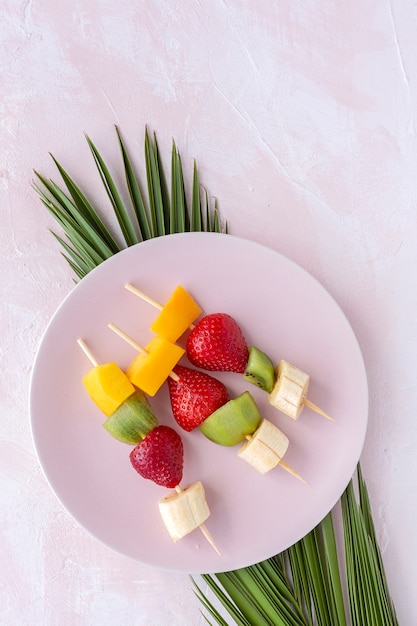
x=135, y=192
x=85, y=209
x=311, y=569
x=74, y=218
x=196, y=217
x=156, y=192
x=165, y=200
x=122, y=215
x=178, y=209
x=89, y=242
x=302, y=586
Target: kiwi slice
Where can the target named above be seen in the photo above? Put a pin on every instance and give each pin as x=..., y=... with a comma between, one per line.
x=260, y=370
x=232, y=422
x=133, y=420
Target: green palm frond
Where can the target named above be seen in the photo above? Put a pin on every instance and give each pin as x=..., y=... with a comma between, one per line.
x=125, y=223
x=319, y=581
x=303, y=586
x=89, y=241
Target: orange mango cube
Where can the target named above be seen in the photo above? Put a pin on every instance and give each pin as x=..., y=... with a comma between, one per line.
x=149, y=370
x=177, y=315
x=108, y=387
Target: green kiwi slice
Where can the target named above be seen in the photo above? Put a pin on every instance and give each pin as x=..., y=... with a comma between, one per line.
x=232, y=422
x=260, y=370
x=133, y=420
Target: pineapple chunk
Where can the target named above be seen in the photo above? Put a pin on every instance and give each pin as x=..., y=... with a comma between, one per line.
x=149, y=370
x=108, y=387
x=176, y=316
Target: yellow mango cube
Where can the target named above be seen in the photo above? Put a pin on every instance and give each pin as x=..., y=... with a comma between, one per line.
x=108, y=387
x=148, y=371
x=177, y=315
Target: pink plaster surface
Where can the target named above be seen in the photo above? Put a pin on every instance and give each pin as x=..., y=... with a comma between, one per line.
x=301, y=117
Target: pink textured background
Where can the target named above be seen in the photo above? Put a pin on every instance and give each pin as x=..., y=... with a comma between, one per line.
x=302, y=122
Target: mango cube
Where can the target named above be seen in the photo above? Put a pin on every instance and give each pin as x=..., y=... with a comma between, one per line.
x=148, y=371
x=177, y=315
x=108, y=387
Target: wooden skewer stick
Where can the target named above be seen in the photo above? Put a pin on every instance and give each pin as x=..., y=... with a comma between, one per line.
x=127, y=338
x=143, y=295
x=317, y=409
x=135, y=345
x=148, y=299
x=203, y=529
x=159, y=306
x=87, y=352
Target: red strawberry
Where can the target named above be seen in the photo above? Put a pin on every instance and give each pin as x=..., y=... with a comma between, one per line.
x=218, y=344
x=160, y=457
x=195, y=396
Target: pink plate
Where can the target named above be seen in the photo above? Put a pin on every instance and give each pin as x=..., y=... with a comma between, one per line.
x=283, y=311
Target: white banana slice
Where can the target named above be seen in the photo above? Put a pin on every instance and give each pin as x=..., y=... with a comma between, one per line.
x=265, y=448
x=290, y=390
x=185, y=510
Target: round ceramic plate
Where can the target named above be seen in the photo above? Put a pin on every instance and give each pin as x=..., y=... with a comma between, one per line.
x=284, y=312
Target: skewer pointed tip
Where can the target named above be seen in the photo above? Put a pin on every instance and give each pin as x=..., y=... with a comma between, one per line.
x=317, y=409
x=291, y=471
x=209, y=538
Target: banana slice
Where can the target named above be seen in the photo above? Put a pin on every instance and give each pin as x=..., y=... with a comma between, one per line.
x=265, y=448
x=185, y=510
x=290, y=390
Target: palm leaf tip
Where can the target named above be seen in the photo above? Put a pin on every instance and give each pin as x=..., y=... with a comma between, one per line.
x=135, y=192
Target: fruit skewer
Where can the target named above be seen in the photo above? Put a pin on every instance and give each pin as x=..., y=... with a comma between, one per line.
x=286, y=385
x=241, y=415
x=158, y=453
x=201, y=401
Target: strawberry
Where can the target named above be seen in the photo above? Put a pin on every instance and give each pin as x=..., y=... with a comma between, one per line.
x=160, y=457
x=217, y=343
x=195, y=396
